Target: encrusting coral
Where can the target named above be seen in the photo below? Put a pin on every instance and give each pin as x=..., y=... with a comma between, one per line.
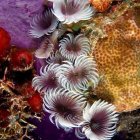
x=117, y=59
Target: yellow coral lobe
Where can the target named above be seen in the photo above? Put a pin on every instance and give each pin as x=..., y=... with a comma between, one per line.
x=118, y=61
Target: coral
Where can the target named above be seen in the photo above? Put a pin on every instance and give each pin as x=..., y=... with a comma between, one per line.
x=15, y=122
x=101, y=5
x=117, y=57
x=136, y=15
x=16, y=105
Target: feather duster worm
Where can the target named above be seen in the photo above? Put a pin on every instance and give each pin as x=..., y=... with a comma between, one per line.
x=43, y=24
x=77, y=76
x=56, y=58
x=65, y=107
x=47, y=80
x=45, y=49
x=72, y=47
x=69, y=11
x=100, y=120
x=48, y=45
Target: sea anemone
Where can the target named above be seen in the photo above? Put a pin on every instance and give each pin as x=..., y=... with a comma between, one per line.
x=65, y=107
x=47, y=80
x=69, y=11
x=71, y=47
x=45, y=49
x=43, y=24
x=77, y=76
x=100, y=120
x=56, y=58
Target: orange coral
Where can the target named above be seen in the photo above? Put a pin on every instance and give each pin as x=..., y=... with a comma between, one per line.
x=101, y=5
x=117, y=57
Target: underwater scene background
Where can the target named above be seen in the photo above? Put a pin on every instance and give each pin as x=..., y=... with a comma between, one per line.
x=69, y=69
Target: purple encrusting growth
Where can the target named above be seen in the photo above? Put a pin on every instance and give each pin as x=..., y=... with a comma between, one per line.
x=47, y=131
x=38, y=64
x=15, y=17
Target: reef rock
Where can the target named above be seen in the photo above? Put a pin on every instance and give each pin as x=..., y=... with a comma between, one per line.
x=129, y=126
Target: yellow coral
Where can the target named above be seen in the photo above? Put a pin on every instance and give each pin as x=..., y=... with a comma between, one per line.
x=117, y=57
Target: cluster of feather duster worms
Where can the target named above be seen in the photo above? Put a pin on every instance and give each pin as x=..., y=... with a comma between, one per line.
x=69, y=72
